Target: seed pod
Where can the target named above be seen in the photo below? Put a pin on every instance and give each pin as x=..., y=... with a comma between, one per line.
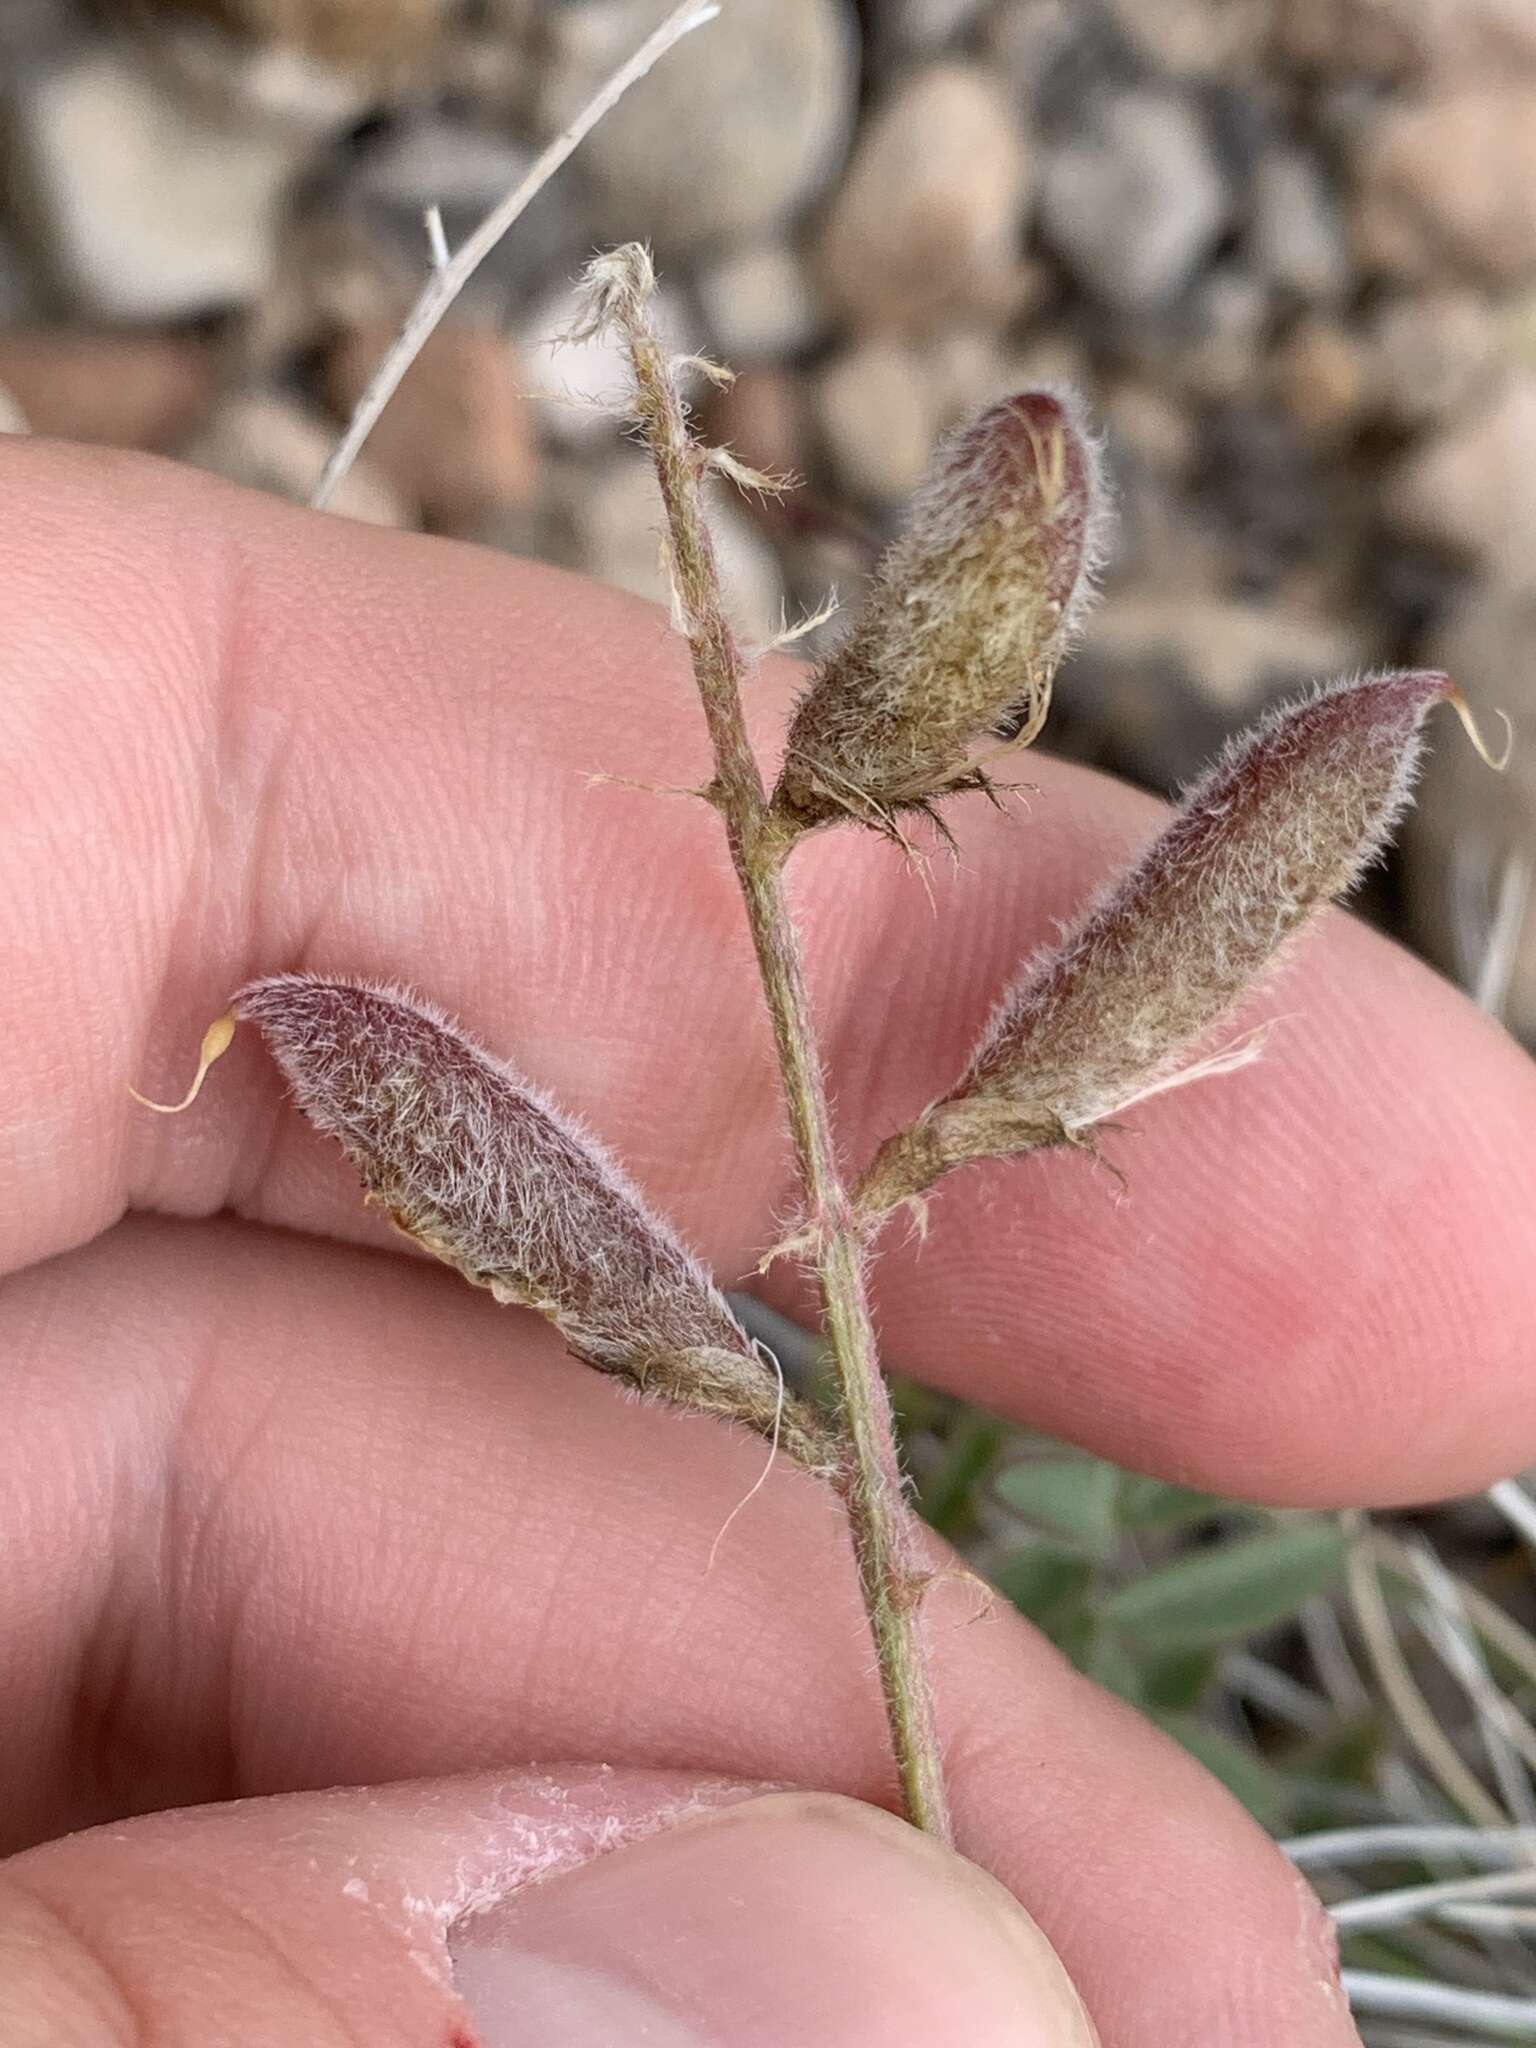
x=970, y=611
x=471, y=1163
x=1289, y=817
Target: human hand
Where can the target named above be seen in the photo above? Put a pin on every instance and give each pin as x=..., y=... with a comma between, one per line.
x=285, y=1508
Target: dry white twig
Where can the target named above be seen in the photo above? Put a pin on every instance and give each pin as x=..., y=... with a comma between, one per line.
x=1412, y=1902
x=450, y=278
x=1392, y=1840
x=1373, y=1991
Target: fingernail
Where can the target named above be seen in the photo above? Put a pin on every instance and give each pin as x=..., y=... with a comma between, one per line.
x=797, y=1918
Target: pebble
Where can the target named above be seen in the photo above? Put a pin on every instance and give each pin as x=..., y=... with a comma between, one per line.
x=579, y=390
x=874, y=407
x=127, y=390
x=332, y=272
x=146, y=206
x=1449, y=180
x=1396, y=39
x=1208, y=342
x=456, y=438
x=271, y=442
x=1237, y=655
x=1134, y=200
x=1260, y=486
x=21, y=299
x=1296, y=237
x=1168, y=669
x=928, y=220
x=618, y=522
x=922, y=27
x=1322, y=375
x=1432, y=355
x=1471, y=488
x=1195, y=38
x=761, y=417
x=464, y=169
x=737, y=127
x=1034, y=42
x=386, y=39
x=758, y=304
x=258, y=83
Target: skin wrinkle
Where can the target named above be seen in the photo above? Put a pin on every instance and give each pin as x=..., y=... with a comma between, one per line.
x=327, y=1694
x=1114, y=1338
x=110, y=2004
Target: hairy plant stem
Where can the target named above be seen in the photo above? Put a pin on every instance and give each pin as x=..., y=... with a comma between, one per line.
x=891, y=1571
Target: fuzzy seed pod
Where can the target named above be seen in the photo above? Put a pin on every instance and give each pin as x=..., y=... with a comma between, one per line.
x=970, y=612
x=471, y=1163
x=1287, y=818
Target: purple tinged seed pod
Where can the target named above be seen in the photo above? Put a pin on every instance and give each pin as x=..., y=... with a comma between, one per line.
x=968, y=615
x=1288, y=817
x=476, y=1167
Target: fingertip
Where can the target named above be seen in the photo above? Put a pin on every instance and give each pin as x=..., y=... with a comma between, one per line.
x=794, y=1918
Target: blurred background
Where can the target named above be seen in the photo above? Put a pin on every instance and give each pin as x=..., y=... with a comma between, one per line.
x=1288, y=249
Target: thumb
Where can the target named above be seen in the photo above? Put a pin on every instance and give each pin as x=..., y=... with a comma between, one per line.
x=577, y=1907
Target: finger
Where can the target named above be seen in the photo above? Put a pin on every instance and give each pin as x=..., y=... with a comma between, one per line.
x=246, y=739
x=573, y=1909
x=318, y=1516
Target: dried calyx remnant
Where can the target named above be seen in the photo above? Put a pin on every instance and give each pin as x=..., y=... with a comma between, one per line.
x=966, y=620
x=1287, y=819
x=480, y=1170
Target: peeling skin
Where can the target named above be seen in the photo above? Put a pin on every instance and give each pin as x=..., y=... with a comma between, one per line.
x=1318, y=1944
x=532, y=1827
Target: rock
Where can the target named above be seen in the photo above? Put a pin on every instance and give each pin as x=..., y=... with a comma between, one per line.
x=1195, y=37
x=1036, y=44
x=1236, y=655
x=758, y=305
x=737, y=127
x=1397, y=39
x=1471, y=489
x=873, y=406
x=1134, y=200
x=332, y=273
x=262, y=85
x=1149, y=445
x=921, y=28
x=617, y=521
x=1154, y=433
x=1207, y=343
x=579, y=389
x=761, y=418
x=1432, y=355
x=927, y=222
x=272, y=443
x=1322, y=376
x=966, y=368
x=128, y=390
x=1469, y=839
x=1259, y=487
x=12, y=419
x=1169, y=669
x=1448, y=181
x=146, y=206
x=386, y=39
x=1296, y=237
x=22, y=302
x=456, y=437
x=434, y=159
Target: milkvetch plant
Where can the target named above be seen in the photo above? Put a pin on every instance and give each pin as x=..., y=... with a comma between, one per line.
x=944, y=672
